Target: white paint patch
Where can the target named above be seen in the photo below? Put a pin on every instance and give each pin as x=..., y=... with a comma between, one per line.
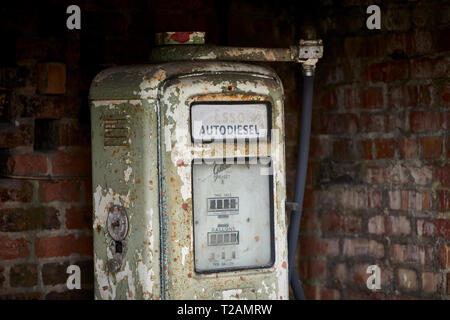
x=127, y=173
x=184, y=252
x=145, y=275
x=126, y=274
x=210, y=55
x=232, y=294
x=106, y=289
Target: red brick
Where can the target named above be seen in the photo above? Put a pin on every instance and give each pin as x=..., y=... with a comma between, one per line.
x=313, y=270
x=27, y=164
x=341, y=223
x=68, y=191
x=425, y=121
x=37, y=218
x=415, y=42
x=13, y=248
x=319, y=147
x=431, y=147
x=52, y=78
x=384, y=148
x=390, y=175
x=364, y=46
x=312, y=173
x=448, y=284
x=343, y=149
x=433, y=228
x=442, y=174
x=340, y=123
x=58, y=246
x=71, y=163
x=313, y=247
x=328, y=100
x=407, y=279
x=373, y=122
x=23, y=275
x=445, y=96
x=366, y=149
x=409, y=96
x=372, y=98
x=408, y=148
x=445, y=256
x=392, y=225
x=20, y=136
x=429, y=68
x=363, y=247
x=412, y=254
x=447, y=148
x=443, y=200
x=81, y=218
x=387, y=71
x=15, y=190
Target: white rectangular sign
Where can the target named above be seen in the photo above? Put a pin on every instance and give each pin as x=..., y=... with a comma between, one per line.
x=230, y=120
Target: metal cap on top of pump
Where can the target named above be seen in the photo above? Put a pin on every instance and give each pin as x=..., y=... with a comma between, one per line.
x=177, y=38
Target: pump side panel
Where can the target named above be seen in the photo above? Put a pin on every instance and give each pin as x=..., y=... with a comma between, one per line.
x=124, y=172
x=180, y=279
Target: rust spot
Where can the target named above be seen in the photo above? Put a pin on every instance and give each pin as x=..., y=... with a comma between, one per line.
x=189, y=275
x=99, y=228
x=151, y=182
x=230, y=87
x=130, y=294
x=184, y=206
x=242, y=278
x=180, y=163
x=171, y=179
x=284, y=265
x=180, y=37
x=256, y=238
x=105, y=288
x=138, y=181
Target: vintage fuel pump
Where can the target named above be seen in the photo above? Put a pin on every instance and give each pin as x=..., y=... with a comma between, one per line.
x=189, y=174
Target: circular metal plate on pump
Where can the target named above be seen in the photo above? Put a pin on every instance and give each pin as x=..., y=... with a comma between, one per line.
x=117, y=222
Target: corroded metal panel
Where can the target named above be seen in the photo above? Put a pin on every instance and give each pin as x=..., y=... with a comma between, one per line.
x=177, y=153
x=141, y=157
x=125, y=174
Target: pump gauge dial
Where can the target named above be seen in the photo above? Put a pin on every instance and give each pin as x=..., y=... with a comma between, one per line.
x=117, y=223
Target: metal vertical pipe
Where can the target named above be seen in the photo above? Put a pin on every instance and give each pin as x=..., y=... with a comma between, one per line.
x=302, y=166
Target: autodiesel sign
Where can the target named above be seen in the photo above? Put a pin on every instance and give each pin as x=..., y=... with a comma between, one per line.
x=230, y=121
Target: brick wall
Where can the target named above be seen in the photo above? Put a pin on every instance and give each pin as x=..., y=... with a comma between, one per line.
x=378, y=184
x=379, y=171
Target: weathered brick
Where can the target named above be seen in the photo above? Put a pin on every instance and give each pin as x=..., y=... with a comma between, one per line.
x=431, y=281
x=366, y=149
x=423, y=121
x=58, y=246
x=67, y=190
x=445, y=256
x=335, y=223
x=16, y=136
x=407, y=279
x=38, y=218
x=431, y=147
x=340, y=123
x=363, y=247
x=443, y=200
x=393, y=225
x=23, y=275
x=313, y=270
x=51, y=78
x=71, y=163
x=54, y=273
x=27, y=164
x=11, y=248
x=81, y=217
x=433, y=228
x=312, y=247
x=408, y=148
x=409, y=96
x=384, y=148
x=412, y=254
x=387, y=71
x=429, y=68
x=15, y=190
x=442, y=174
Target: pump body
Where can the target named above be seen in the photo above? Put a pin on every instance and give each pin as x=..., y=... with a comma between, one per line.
x=177, y=214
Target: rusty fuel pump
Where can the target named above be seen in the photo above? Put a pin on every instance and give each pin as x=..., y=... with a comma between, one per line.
x=189, y=173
